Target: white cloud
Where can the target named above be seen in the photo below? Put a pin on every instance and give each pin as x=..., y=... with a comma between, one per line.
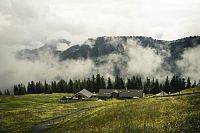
x=190, y=64
x=23, y=21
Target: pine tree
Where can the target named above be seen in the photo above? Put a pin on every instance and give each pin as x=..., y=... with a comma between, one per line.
x=194, y=84
x=128, y=84
x=7, y=92
x=132, y=83
x=173, y=84
x=156, y=88
x=70, y=86
x=152, y=86
x=29, y=91
x=88, y=85
x=188, y=83
x=199, y=84
x=183, y=84
x=16, y=91
x=46, y=88
x=1, y=93
x=32, y=87
x=93, y=84
x=122, y=84
x=117, y=82
x=147, y=86
x=166, y=87
x=103, y=83
x=109, y=86
x=98, y=83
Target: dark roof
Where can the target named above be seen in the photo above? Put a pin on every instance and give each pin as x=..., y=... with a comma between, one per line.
x=130, y=93
x=105, y=92
x=123, y=93
x=85, y=93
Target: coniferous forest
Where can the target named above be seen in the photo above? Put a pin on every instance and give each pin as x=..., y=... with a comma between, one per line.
x=96, y=82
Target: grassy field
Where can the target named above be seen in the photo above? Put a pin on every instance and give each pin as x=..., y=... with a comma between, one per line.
x=19, y=113
x=161, y=114
x=164, y=114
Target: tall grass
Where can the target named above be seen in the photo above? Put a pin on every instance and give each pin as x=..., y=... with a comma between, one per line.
x=167, y=114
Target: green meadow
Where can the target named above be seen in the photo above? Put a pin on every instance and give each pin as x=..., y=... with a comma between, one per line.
x=180, y=113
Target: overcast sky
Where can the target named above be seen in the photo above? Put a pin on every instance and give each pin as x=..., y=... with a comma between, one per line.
x=29, y=21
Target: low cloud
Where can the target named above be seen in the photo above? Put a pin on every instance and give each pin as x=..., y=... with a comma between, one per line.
x=145, y=62
x=47, y=67
x=190, y=64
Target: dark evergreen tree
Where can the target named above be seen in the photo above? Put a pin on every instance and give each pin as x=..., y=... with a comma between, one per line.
x=128, y=84
x=188, y=83
x=1, y=93
x=98, y=83
x=133, y=83
x=173, y=84
x=70, y=86
x=47, y=88
x=139, y=85
x=32, y=88
x=39, y=87
x=53, y=86
x=93, y=84
x=166, y=87
x=199, y=84
x=117, y=82
x=183, y=84
x=109, y=84
x=29, y=91
x=62, y=86
x=152, y=86
x=103, y=83
x=157, y=87
x=194, y=84
x=122, y=84
x=7, y=92
x=89, y=85
x=16, y=91
x=147, y=86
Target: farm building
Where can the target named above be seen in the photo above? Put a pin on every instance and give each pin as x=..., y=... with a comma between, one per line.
x=121, y=93
x=83, y=94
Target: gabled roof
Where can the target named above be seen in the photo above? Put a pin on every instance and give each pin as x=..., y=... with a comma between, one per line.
x=85, y=92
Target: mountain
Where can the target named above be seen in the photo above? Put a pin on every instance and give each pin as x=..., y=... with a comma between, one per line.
x=99, y=49
x=100, y=46
x=49, y=47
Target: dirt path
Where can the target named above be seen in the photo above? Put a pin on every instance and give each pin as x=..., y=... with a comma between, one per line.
x=43, y=125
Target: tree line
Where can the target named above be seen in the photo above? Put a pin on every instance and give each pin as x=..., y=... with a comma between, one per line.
x=96, y=82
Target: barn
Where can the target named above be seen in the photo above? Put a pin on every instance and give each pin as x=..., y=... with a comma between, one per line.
x=83, y=94
x=120, y=93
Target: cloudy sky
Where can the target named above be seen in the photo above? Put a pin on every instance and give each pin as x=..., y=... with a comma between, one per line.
x=28, y=21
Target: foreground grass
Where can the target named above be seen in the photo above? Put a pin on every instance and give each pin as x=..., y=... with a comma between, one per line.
x=20, y=113
x=161, y=114
x=164, y=114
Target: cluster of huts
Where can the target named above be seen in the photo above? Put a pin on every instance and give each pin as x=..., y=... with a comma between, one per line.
x=110, y=93
x=106, y=94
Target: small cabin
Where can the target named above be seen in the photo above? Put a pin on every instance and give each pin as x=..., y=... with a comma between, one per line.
x=83, y=94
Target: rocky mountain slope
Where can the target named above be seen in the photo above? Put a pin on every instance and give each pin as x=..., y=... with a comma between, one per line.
x=99, y=49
